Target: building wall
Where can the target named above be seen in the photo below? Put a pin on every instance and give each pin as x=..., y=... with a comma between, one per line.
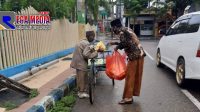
x=143, y=25
x=120, y=10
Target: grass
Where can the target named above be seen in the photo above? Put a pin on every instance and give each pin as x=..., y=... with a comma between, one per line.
x=34, y=93
x=9, y=105
x=65, y=104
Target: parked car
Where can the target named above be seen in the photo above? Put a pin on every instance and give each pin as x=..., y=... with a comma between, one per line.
x=179, y=48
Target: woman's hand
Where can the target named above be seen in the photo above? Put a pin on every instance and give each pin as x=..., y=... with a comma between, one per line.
x=113, y=43
x=115, y=48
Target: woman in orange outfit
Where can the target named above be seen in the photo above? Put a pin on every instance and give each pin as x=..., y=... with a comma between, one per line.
x=131, y=45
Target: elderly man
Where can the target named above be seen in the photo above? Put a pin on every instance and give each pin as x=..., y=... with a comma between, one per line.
x=84, y=50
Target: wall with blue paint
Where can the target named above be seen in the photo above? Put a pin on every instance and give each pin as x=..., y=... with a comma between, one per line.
x=11, y=71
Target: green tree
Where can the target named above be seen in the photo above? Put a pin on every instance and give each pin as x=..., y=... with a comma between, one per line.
x=57, y=9
x=179, y=6
x=161, y=8
x=14, y=5
x=106, y=5
x=93, y=6
x=134, y=7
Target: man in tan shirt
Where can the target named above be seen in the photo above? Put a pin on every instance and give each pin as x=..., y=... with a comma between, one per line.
x=84, y=50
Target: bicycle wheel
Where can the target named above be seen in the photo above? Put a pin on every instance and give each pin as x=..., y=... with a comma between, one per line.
x=91, y=84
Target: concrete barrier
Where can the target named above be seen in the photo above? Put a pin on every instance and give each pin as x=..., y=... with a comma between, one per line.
x=49, y=101
x=11, y=71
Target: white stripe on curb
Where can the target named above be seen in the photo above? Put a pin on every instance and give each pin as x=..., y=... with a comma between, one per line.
x=192, y=98
x=186, y=92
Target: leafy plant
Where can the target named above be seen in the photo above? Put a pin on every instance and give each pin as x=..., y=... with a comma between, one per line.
x=34, y=93
x=133, y=7
x=179, y=6
x=68, y=100
x=9, y=105
x=57, y=8
x=65, y=104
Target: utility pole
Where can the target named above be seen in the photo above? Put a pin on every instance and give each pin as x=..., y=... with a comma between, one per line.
x=76, y=12
x=93, y=12
x=86, y=11
x=112, y=9
x=120, y=11
x=112, y=15
x=0, y=4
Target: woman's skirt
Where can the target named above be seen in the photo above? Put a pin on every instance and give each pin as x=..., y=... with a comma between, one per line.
x=133, y=78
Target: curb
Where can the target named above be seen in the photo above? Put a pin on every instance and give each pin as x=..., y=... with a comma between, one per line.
x=48, y=101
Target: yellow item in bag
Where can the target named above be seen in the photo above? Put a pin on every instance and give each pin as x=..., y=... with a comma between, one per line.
x=100, y=45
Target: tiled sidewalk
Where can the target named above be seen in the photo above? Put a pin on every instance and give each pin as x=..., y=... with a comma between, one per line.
x=45, y=81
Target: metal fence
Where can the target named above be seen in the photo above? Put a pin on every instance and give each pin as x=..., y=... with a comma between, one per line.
x=20, y=46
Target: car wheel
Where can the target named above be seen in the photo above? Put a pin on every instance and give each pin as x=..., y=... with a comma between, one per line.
x=180, y=72
x=158, y=59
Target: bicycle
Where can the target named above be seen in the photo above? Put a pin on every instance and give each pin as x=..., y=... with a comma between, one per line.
x=96, y=65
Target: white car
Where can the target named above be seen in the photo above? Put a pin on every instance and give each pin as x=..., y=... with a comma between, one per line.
x=179, y=48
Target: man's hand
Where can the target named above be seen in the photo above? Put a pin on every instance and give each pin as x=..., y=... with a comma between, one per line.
x=100, y=49
x=91, y=48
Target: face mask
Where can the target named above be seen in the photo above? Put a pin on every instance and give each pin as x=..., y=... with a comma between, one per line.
x=116, y=31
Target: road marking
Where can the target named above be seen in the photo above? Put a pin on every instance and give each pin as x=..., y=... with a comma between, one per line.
x=192, y=98
x=149, y=55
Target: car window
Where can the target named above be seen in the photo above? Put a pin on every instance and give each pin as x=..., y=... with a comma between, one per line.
x=194, y=23
x=183, y=26
x=184, y=17
x=173, y=29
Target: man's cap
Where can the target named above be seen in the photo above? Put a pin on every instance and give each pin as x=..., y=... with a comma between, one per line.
x=116, y=23
x=91, y=31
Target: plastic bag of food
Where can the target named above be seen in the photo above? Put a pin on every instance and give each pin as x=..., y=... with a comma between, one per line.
x=100, y=45
x=116, y=66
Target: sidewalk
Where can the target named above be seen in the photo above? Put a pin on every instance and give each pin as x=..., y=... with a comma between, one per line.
x=45, y=81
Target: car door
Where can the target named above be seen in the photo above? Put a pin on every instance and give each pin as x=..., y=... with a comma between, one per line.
x=171, y=40
x=177, y=43
x=163, y=47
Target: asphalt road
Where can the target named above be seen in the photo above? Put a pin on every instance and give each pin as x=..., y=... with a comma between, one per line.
x=159, y=93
